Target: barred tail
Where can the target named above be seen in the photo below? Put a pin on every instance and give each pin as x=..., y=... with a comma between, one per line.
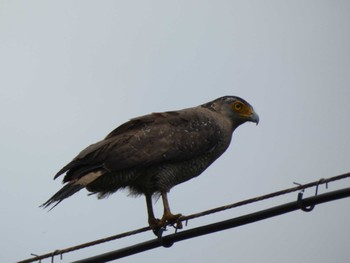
x=66, y=191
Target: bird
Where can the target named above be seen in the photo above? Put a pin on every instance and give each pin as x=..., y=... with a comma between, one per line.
x=151, y=154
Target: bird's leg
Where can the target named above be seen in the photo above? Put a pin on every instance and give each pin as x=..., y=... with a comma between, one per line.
x=152, y=221
x=168, y=217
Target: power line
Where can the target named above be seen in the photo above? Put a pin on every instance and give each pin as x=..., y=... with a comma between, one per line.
x=186, y=218
x=84, y=245
x=305, y=204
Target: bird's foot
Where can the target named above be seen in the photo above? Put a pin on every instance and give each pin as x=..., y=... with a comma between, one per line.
x=169, y=218
x=155, y=223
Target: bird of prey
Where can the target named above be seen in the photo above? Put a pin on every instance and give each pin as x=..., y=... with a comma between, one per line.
x=150, y=154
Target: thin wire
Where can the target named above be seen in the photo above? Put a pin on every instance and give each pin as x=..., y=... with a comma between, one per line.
x=85, y=245
x=186, y=218
x=267, y=196
x=169, y=240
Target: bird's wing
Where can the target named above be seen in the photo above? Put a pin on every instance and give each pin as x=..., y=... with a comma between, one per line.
x=147, y=140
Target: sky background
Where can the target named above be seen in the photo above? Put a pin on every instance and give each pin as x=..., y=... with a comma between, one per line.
x=71, y=71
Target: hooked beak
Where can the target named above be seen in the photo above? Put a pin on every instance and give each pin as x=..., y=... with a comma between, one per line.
x=254, y=117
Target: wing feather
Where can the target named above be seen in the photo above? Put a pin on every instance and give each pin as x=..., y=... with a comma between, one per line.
x=148, y=140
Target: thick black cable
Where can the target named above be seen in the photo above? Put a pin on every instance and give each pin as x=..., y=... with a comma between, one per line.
x=219, y=226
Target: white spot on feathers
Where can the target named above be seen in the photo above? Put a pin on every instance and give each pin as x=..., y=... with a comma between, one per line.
x=89, y=177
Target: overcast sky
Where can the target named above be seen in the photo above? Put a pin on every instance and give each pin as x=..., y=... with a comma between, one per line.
x=71, y=71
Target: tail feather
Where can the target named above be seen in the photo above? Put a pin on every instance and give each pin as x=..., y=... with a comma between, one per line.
x=65, y=192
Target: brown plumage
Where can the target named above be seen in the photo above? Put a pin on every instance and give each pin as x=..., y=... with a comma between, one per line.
x=151, y=154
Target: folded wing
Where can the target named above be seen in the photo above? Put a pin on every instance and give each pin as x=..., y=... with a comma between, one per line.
x=147, y=140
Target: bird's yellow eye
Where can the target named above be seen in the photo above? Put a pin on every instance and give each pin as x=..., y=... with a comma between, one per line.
x=237, y=106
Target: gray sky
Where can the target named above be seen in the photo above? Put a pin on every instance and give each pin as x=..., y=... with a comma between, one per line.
x=71, y=71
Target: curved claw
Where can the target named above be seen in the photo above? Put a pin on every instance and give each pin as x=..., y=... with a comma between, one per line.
x=168, y=219
x=171, y=219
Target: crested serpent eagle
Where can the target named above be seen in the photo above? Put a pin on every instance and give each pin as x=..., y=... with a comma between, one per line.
x=150, y=154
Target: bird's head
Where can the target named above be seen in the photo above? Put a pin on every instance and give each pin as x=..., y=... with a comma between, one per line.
x=237, y=109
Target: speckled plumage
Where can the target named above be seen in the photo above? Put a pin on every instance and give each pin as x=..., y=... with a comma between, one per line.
x=151, y=154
